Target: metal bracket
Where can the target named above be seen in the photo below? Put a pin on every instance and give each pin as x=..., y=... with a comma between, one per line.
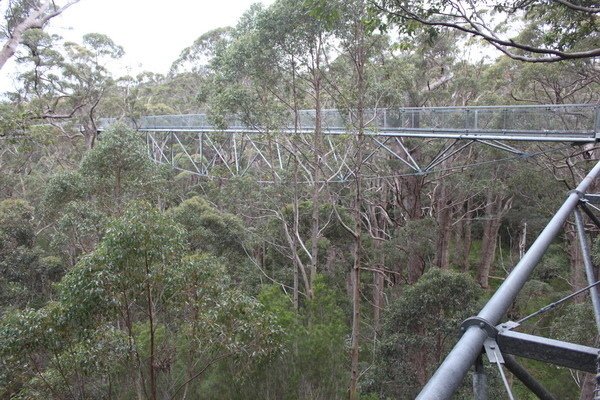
x=490, y=329
x=493, y=351
x=579, y=193
x=591, y=198
x=507, y=326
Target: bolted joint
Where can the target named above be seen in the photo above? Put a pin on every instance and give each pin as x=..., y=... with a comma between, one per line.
x=481, y=323
x=579, y=194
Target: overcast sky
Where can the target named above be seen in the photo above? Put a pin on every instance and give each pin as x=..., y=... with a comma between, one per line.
x=152, y=32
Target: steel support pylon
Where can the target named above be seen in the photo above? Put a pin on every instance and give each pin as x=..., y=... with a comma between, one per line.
x=450, y=374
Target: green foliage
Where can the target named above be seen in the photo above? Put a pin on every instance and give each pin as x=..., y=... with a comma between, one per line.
x=118, y=169
x=210, y=230
x=80, y=203
x=16, y=222
x=576, y=324
x=312, y=365
x=61, y=189
x=419, y=329
x=554, y=266
x=25, y=276
x=136, y=294
x=12, y=120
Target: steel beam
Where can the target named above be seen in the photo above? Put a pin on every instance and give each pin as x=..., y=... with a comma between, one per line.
x=526, y=136
x=452, y=371
x=589, y=213
x=557, y=352
x=529, y=381
x=480, y=386
x=589, y=267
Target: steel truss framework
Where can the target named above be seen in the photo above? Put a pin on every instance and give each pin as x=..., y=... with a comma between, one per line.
x=499, y=341
x=190, y=143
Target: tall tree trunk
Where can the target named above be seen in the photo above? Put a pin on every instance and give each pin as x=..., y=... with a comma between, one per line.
x=443, y=214
x=411, y=200
x=317, y=161
x=378, y=286
x=296, y=217
x=379, y=221
x=495, y=208
x=151, y=314
x=578, y=278
x=358, y=53
x=522, y=239
x=464, y=236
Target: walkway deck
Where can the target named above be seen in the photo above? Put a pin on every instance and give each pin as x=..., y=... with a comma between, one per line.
x=576, y=123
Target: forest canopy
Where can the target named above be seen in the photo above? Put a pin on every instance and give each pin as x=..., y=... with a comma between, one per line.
x=286, y=262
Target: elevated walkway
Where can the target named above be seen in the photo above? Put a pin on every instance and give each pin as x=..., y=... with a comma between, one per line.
x=194, y=144
x=574, y=123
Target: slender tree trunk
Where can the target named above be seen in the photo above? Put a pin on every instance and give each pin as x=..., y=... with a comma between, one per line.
x=359, y=56
x=496, y=207
x=295, y=240
x=151, y=314
x=378, y=286
x=296, y=126
x=318, y=145
x=464, y=237
x=442, y=254
x=578, y=278
x=410, y=197
x=522, y=239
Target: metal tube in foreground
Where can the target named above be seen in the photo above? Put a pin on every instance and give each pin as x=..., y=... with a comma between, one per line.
x=452, y=371
x=589, y=267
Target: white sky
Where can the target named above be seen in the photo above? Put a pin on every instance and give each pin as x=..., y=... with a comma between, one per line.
x=152, y=32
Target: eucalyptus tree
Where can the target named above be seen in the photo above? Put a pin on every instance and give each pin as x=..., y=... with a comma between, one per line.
x=139, y=316
x=552, y=30
x=22, y=17
x=356, y=46
x=419, y=330
x=26, y=272
x=264, y=75
x=64, y=86
x=420, y=74
x=77, y=204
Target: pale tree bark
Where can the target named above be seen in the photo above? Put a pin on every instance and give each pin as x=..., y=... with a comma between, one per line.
x=588, y=385
x=359, y=58
x=577, y=278
x=37, y=18
x=443, y=218
x=318, y=185
x=410, y=197
x=379, y=222
x=522, y=239
x=464, y=238
x=495, y=209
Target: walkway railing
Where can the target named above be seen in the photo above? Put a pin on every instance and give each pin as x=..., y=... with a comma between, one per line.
x=567, y=123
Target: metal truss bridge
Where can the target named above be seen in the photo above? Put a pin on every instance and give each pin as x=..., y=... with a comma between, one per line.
x=195, y=144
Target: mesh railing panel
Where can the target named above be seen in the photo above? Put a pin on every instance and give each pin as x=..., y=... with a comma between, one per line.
x=564, y=119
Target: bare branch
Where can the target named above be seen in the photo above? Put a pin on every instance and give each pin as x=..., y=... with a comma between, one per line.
x=481, y=30
x=36, y=19
x=576, y=7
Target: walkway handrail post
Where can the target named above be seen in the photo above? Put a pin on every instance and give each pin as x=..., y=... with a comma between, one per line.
x=452, y=371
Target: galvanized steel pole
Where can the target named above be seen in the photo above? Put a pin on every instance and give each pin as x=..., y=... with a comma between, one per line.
x=589, y=267
x=452, y=371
